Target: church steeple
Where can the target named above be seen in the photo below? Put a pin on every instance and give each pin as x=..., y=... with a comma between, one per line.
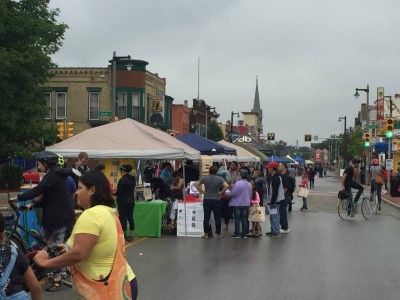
x=256, y=107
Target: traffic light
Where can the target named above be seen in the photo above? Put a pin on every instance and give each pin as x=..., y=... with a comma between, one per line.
x=389, y=127
x=60, y=129
x=307, y=137
x=69, y=130
x=271, y=136
x=366, y=139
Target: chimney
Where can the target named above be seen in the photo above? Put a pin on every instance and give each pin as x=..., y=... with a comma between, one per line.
x=186, y=103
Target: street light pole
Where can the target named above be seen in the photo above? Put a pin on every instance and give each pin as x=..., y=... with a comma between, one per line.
x=207, y=108
x=232, y=114
x=367, y=120
x=345, y=157
x=114, y=80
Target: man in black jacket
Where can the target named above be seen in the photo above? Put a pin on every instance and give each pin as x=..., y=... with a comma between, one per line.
x=275, y=197
x=52, y=195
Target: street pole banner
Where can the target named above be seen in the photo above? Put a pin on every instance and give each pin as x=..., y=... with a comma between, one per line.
x=389, y=164
x=381, y=130
x=380, y=103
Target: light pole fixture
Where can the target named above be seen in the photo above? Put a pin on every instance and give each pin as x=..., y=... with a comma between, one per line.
x=345, y=156
x=356, y=95
x=128, y=66
x=208, y=108
x=232, y=114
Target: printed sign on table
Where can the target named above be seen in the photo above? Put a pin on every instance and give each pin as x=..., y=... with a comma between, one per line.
x=194, y=219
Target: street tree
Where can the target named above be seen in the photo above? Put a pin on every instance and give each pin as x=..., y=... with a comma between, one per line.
x=29, y=35
x=214, y=132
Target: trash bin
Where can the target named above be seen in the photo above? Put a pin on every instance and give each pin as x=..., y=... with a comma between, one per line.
x=394, y=186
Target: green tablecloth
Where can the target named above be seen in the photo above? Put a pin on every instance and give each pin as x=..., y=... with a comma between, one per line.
x=148, y=218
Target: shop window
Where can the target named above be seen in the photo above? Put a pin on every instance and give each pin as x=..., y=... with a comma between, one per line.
x=122, y=104
x=135, y=106
x=61, y=105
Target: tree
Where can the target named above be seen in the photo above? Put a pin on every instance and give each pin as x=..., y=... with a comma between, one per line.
x=214, y=132
x=29, y=34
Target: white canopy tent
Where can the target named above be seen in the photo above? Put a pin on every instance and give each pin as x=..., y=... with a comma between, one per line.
x=125, y=139
x=309, y=162
x=242, y=155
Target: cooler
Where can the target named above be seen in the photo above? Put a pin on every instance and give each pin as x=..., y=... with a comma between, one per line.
x=29, y=219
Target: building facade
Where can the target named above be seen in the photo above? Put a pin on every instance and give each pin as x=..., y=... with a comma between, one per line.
x=84, y=96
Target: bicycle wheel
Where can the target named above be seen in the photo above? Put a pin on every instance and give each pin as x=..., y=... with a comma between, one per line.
x=345, y=209
x=366, y=208
x=18, y=242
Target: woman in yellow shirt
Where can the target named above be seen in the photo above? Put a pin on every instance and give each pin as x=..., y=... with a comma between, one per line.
x=95, y=241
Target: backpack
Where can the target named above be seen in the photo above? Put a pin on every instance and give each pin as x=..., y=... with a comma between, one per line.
x=291, y=185
x=6, y=275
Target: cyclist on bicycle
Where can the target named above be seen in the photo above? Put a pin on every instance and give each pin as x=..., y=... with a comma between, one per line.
x=51, y=193
x=375, y=177
x=348, y=181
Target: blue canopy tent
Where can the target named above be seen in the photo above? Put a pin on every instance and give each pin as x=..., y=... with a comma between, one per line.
x=299, y=159
x=278, y=159
x=205, y=146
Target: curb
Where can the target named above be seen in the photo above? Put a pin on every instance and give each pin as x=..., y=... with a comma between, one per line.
x=390, y=203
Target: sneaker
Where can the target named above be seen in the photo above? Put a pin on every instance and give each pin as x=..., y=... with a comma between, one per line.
x=285, y=231
x=234, y=236
x=273, y=235
x=245, y=236
x=129, y=239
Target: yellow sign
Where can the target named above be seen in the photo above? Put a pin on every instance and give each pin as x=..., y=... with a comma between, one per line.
x=112, y=169
x=381, y=130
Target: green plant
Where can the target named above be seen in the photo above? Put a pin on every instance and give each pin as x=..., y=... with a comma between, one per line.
x=10, y=177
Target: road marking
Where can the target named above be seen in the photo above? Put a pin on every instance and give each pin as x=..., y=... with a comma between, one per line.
x=136, y=242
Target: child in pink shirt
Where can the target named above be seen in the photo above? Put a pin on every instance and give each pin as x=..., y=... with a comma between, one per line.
x=255, y=201
x=304, y=184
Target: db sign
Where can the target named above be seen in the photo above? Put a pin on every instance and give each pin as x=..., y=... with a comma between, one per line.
x=244, y=139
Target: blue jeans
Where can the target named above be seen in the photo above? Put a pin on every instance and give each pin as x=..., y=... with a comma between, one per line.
x=240, y=213
x=351, y=184
x=378, y=188
x=275, y=224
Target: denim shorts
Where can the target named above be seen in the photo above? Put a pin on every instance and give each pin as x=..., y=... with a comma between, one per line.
x=54, y=237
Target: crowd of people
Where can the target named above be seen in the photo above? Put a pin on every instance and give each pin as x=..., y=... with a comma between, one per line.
x=93, y=246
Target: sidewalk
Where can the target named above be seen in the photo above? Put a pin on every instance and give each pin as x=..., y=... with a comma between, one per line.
x=393, y=201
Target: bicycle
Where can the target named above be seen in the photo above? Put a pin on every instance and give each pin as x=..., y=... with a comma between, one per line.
x=13, y=237
x=347, y=209
x=375, y=201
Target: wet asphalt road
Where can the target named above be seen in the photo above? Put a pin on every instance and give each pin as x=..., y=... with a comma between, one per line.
x=322, y=257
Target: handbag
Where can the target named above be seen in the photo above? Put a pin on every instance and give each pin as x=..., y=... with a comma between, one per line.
x=378, y=179
x=116, y=285
x=303, y=192
x=257, y=214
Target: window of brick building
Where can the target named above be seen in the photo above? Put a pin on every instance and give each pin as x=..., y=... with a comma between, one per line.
x=122, y=104
x=61, y=105
x=135, y=106
x=94, y=105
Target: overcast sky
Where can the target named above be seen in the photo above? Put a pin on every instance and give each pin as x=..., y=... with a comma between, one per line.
x=309, y=55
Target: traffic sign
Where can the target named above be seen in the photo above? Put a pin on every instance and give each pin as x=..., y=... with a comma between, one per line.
x=389, y=164
x=104, y=113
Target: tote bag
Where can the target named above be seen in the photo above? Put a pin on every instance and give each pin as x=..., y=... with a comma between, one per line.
x=257, y=214
x=303, y=192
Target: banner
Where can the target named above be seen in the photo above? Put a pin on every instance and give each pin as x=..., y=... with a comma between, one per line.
x=380, y=104
x=157, y=110
x=112, y=169
x=381, y=130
